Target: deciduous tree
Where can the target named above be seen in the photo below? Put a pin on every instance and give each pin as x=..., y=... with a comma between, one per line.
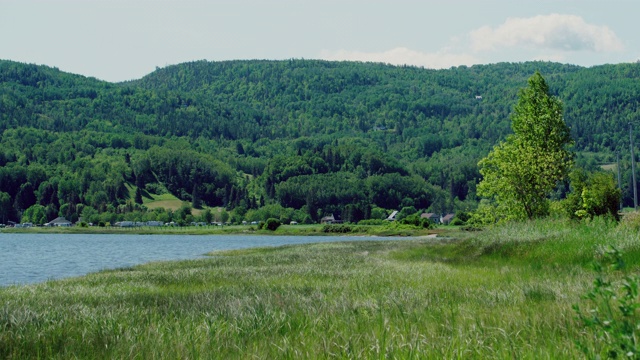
x=520, y=172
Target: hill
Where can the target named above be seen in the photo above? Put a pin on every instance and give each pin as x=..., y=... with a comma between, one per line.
x=299, y=137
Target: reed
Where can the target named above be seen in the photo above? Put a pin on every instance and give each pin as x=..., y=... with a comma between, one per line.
x=506, y=292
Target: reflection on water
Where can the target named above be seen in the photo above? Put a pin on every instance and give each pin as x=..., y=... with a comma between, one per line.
x=31, y=258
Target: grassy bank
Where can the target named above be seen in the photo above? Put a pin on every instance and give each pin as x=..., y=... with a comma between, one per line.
x=501, y=293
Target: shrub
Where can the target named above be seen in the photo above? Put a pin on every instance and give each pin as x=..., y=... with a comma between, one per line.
x=611, y=314
x=416, y=220
x=339, y=229
x=272, y=224
x=593, y=194
x=406, y=211
x=372, y=222
x=463, y=216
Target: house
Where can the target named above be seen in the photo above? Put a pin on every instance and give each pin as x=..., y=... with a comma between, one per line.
x=59, y=221
x=433, y=217
x=446, y=219
x=293, y=223
x=393, y=215
x=330, y=220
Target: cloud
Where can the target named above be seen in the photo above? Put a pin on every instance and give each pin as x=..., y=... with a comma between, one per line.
x=403, y=56
x=555, y=31
x=552, y=37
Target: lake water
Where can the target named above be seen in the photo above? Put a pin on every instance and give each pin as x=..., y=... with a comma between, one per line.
x=32, y=258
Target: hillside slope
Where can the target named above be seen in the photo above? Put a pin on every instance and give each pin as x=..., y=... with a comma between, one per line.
x=314, y=136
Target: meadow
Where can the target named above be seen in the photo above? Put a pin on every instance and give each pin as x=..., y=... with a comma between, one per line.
x=504, y=292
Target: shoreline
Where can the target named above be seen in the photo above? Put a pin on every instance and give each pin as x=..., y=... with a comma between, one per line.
x=284, y=230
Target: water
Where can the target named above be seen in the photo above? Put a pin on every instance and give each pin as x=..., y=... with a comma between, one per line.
x=32, y=258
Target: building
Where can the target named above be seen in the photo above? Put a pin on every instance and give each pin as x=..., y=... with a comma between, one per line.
x=59, y=221
x=446, y=219
x=433, y=217
x=330, y=220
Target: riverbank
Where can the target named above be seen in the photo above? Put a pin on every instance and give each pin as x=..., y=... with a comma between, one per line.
x=506, y=292
x=298, y=230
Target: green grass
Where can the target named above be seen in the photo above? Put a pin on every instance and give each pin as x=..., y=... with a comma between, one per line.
x=501, y=293
x=167, y=201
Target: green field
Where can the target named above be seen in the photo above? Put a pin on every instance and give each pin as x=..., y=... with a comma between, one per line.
x=505, y=292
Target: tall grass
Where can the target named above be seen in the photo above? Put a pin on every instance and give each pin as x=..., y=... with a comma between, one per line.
x=502, y=293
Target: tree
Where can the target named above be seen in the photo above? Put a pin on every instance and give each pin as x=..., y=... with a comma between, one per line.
x=5, y=206
x=35, y=214
x=138, y=197
x=592, y=195
x=206, y=216
x=272, y=224
x=520, y=172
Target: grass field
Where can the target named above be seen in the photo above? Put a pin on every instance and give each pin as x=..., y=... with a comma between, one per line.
x=152, y=201
x=502, y=293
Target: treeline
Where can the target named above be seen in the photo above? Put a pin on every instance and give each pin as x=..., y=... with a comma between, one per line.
x=308, y=137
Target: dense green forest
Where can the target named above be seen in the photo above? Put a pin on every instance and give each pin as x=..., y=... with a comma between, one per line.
x=296, y=139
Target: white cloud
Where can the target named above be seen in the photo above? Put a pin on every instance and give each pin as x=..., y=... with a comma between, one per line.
x=555, y=31
x=552, y=37
x=402, y=56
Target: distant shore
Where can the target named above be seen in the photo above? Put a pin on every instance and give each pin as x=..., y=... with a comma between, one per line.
x=305, y=230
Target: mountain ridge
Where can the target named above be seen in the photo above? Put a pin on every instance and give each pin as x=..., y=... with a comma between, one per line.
x=250, y=133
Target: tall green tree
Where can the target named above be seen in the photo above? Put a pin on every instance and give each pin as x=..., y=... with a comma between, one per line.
x=35, y=214
x=520, y=172
x=5, y=206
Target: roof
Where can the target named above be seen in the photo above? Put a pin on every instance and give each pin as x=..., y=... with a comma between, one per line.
x=429, y=215
x=448, y=217
x=59, y=220
x=393, y=215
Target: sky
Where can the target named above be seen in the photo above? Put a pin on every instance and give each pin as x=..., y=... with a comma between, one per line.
x=119, y=40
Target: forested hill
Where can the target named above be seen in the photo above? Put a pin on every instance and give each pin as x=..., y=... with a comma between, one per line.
x=289, y=99
x=314, y=137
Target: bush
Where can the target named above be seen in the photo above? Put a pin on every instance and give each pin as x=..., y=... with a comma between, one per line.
x=592, y=195
x=463, y=216
x=416, y=220
x=373, y=222
x=339, y=229
x=611, y=314
x=272, y=224
x=405, y=212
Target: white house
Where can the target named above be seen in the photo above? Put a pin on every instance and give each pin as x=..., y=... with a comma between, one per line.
x=59, y=221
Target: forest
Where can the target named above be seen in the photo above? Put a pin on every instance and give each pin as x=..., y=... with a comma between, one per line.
x=295, y=139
